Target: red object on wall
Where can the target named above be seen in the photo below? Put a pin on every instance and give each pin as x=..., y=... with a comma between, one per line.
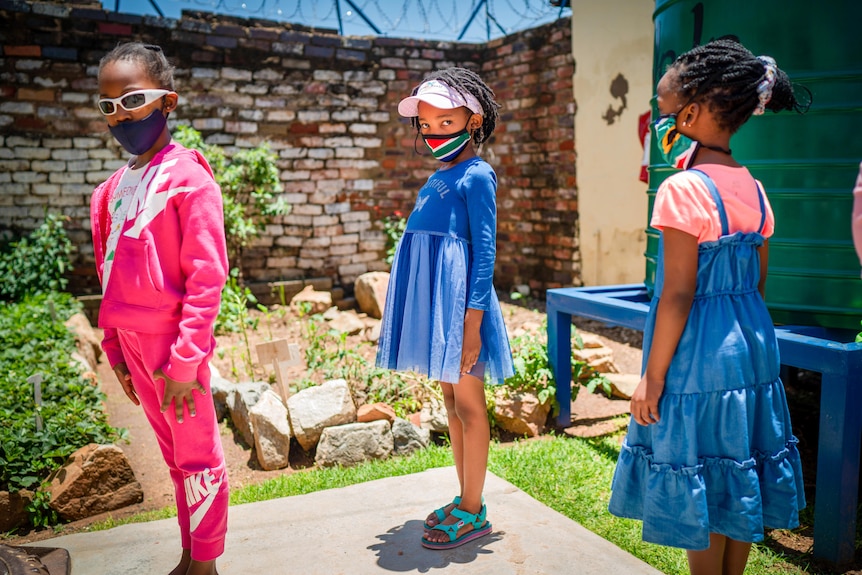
x=644, y=136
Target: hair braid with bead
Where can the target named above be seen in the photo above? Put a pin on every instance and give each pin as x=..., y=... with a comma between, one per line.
x=725, y=75
x=465, y=82
x=149, y=56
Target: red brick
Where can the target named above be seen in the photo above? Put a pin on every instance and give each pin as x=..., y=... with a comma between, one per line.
x=23, y=51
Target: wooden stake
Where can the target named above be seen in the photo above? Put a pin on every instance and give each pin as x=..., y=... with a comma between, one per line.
x=281, y=355
x=36, y=381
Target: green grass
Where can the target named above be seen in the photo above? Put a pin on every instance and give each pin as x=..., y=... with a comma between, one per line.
x=569, y=475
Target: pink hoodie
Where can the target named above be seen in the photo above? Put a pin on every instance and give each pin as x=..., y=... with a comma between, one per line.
x=171, y=259
x=857, y=215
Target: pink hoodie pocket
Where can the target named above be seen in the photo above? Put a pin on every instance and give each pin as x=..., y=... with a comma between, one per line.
x=135, y=279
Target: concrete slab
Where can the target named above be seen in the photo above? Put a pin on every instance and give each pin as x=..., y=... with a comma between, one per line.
x=370, y=528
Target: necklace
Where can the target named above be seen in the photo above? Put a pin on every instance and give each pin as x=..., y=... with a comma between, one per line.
x=718, y=149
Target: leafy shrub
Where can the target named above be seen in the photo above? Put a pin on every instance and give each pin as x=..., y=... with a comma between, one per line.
x=33, y=341
x=393, y=226
x=249, y=183
x=533, y=371
x=36, y=264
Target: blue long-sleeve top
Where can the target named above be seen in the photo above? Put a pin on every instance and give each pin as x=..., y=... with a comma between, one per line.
x=461, y=201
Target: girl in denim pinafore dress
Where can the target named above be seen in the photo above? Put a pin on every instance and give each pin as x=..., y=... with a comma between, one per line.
x=710, y=460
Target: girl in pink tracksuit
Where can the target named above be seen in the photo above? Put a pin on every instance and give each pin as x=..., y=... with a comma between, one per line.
x=158, y=231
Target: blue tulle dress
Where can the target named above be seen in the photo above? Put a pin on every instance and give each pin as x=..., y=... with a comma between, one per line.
x=444, y=264
x=722, y=458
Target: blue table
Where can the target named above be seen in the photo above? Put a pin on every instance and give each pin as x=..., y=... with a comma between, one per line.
x=810, y=348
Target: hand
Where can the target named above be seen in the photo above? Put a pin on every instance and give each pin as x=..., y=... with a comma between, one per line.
x=472, y=340
x=125, y=378
x=644, y=403
x=180, y=393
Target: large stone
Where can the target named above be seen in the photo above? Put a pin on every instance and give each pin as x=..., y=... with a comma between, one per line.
x=347, y=322
x=520, y=412
x=354, y=443
x=12, y=509
x=374, y=411
x=271, y=431
x=221, y=389
x=433, y=416
x=408, y=438
x=318, y=301
x=623, y=385
x=370, y=291
x=86, y=340
x=315, y=408
x=95, y=479
x=240, y=401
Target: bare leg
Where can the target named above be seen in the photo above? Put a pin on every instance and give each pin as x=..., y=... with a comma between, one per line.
x=202, y=568
x=725, y=556
x=472, y=419
x=183, y=566
x=735, y=556
x=456, y=439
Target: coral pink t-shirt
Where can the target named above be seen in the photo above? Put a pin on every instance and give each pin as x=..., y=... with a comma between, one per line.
x=683, y=202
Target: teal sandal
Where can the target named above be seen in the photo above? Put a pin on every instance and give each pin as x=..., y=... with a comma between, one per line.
x=441, y=514
x=481, y=527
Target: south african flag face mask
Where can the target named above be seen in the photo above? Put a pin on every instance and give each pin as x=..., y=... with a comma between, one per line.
x=447, y=147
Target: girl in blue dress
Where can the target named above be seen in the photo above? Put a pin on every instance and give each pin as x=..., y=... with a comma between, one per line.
x=710, y=459
x=442, y=317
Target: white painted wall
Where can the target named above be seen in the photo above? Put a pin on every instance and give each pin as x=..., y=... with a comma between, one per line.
x=611, y=38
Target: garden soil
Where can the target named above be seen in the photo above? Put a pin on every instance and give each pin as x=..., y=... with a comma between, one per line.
x=593, y=414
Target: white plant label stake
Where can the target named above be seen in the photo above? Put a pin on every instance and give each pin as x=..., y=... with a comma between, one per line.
x=36, y=381
x=281, y=355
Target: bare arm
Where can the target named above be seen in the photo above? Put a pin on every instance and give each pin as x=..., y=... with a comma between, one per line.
x=680, y=279
x=764, y=264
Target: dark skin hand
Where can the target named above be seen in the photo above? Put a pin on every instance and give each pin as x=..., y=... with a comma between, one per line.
x=472, y=339
x=180, y=393
x=177, y=392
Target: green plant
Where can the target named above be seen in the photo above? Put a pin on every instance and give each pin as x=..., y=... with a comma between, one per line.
x=393, y=226
x=34, y=339
x=859, y=335
x=533, y=371
x=36, y=263
x=250, y=185
x=233, y=314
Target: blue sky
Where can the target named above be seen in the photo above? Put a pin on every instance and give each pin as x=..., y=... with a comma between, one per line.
x=431, y=19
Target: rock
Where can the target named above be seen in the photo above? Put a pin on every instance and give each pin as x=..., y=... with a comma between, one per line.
x=221, y=389
x=408, y=438
x=95, y=479
x=12, y=509
x=433, y=416
x=315, y=408
x=347, y=322
x=590, y=340
x=372, y=330
x=374, y=412
x=318, y=301
x=86, y=340
x=354, y=443
x=271, y=431
x=20, y=561
x=623, y=384
x=240, y=401
x=370, y=291
x=520, y=412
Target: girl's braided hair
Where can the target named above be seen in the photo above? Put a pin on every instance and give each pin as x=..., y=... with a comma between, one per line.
x=725, y=75
x=466, y=81
x=149, y=56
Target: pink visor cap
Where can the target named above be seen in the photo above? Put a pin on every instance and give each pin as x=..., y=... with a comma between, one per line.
x=440, y=95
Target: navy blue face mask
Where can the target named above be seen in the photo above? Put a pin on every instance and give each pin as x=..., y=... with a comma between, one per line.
x=139, y=136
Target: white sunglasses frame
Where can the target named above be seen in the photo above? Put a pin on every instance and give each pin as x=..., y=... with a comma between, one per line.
x=150, y=96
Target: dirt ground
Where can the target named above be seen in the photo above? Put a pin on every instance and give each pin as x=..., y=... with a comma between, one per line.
x=593, y=414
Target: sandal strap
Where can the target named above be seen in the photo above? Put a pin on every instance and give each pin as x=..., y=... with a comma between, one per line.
x=440, y=512
x=475, y=519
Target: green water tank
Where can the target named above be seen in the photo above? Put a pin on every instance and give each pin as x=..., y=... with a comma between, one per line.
x=807, y=163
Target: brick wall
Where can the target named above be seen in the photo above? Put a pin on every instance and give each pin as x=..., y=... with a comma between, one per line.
x=326, y=105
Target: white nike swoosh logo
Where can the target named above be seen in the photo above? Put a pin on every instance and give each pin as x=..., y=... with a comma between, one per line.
x=201, y=511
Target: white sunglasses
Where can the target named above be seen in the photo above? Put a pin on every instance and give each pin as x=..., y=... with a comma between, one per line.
x=131, y=101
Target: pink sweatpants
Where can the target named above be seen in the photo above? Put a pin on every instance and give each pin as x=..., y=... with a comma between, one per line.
x=191, y=449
